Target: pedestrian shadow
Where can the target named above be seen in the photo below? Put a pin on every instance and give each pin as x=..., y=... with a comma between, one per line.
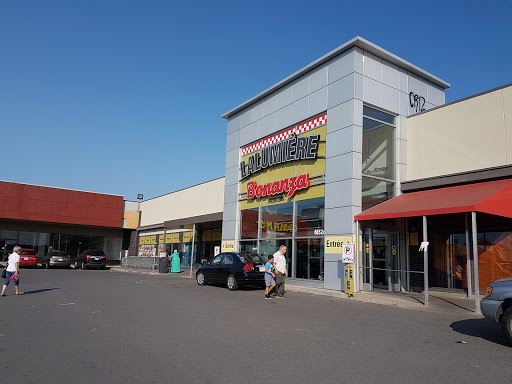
x=39, y=291
x=481, y=328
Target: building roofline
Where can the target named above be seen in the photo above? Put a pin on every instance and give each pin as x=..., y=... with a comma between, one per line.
x=65, y=189
x=183, y=189
x=355, y=42
x=460, y=100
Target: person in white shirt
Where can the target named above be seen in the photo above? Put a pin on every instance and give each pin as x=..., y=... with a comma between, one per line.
x=280, y=270
x=13, y=269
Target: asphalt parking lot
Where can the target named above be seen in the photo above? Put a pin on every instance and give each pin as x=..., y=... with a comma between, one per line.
x=75, y=326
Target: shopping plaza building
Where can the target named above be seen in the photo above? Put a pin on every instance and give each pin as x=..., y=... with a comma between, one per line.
x=360, y=147
x=357, y=147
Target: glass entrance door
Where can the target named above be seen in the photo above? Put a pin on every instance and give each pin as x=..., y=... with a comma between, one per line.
x=380, y=261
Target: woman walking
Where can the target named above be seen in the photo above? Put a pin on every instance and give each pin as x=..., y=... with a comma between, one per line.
x=13, y=271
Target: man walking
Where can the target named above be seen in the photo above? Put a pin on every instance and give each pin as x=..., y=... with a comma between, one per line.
x=280, y=271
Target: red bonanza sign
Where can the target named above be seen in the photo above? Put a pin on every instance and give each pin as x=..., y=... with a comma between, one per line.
x=290, y=185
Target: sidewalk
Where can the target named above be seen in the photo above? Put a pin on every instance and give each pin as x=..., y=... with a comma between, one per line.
x=443, y=302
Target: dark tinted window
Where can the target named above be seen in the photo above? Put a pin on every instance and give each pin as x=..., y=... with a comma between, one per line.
x=57, y=253
x=228, y=259
x=28, y=253
x=216, y=259
x=379, y=115
x=251, y=258
x=95, y=253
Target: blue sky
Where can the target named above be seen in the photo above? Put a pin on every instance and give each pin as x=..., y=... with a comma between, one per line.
x=125, y=96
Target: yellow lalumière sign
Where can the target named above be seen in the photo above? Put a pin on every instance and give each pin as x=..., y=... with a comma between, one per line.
x=334, y=244
x=228, y=246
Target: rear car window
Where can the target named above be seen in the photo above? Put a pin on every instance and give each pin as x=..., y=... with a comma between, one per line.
x=95, y=253
x=251, y=258
x=32, y=253
x=56, y=253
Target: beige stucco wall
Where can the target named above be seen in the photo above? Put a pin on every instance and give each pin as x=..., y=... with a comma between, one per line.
x=467, y=135
x=198, y=200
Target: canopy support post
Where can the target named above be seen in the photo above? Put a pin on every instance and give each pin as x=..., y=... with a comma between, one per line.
x=475, y=261
x=425, y=260
x=468, y=257
x=192, y=250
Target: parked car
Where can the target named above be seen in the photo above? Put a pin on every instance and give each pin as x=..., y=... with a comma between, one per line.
x=497, y=305
x=28, y=258
x=233, y=269
x=56, y=259
x=91, y=258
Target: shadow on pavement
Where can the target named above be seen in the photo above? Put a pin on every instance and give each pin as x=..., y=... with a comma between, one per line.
x=39, y=291
x=482, y=328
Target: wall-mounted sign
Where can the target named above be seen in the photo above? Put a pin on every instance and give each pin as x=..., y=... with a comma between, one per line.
x=228, y=246
x=334, y=244
x=216, y=250
x=290, y=185
x=347, y=256
x=413, y=238
x=294, y=148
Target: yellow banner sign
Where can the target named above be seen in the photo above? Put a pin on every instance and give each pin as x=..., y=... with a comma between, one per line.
x=172, y=238
x=153, y=240
x=228, y=246
x=160, y=239
x=334, y=244
x=142, y=240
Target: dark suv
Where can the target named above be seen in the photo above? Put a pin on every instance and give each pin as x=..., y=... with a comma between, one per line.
x=91, y=258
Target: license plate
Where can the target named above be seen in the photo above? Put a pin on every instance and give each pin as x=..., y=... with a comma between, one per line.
x=262, y=268
x=26, y=258
x=97, y=258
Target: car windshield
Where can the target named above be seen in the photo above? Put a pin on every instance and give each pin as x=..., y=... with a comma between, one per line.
x=95, y=253
x=31, y=253
x=251, y=258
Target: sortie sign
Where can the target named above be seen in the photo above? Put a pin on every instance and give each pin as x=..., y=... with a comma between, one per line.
x=290, y=185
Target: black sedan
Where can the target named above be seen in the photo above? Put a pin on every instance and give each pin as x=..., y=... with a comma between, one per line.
x=233, y=269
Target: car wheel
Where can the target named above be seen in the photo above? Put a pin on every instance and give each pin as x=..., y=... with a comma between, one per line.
x=83, y=265
x=506, y=324
x=232, y=284
x=200, y=279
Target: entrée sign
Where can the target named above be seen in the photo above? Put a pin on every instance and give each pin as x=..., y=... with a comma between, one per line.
x=290, y=185
x=294, y=148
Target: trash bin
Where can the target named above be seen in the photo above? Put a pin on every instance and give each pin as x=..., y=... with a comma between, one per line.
x=163, y=263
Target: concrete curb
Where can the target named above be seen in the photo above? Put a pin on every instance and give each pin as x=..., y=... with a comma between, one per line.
x=185, y=275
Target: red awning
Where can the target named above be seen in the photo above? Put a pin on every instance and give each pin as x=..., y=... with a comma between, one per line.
x=493, y=197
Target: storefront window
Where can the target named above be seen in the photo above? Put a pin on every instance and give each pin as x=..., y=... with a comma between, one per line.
x=269, y=247
x=277, y=221
x=310, y=217
x=249, y=224
x=249, y=246
x=310, y=259
x=376, y=191
x=379, y=162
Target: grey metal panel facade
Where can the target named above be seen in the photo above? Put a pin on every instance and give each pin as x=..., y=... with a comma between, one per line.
x=339, y=86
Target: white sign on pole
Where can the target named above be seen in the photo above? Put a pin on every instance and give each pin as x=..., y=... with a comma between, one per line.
x=424, y=245
x=348, y=253
x=216, y=250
